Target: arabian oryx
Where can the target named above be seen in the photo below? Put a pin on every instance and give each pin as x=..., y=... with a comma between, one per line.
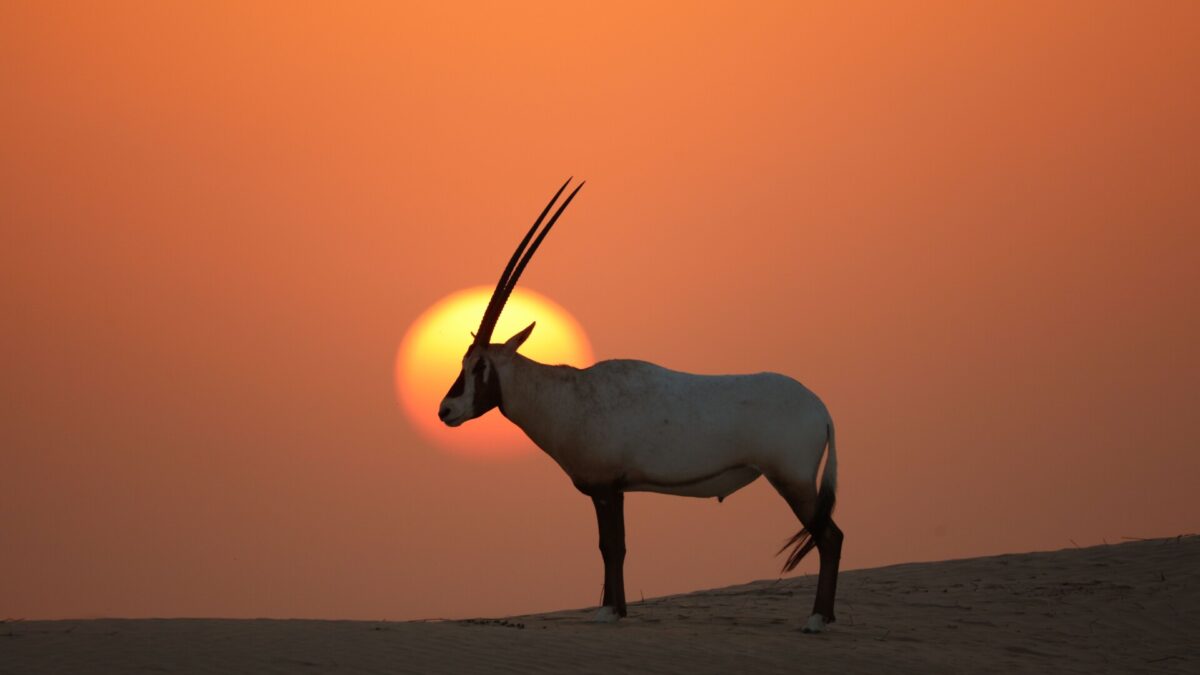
x=622, y=426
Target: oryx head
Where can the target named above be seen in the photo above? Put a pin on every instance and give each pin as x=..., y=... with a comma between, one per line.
x=477, y=389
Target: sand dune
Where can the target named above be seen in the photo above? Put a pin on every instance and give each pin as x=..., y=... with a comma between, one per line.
x=1132, y=607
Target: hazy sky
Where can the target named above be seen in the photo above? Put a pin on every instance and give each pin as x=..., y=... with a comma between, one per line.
x=974, y=231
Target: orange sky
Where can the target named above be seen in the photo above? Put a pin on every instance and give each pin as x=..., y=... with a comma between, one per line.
x=975, y=232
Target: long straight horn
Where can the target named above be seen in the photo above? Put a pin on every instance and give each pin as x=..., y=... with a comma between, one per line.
x=512, y=282
x=500, y=294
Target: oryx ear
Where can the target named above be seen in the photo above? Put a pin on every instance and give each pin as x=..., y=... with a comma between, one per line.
x=517, y=340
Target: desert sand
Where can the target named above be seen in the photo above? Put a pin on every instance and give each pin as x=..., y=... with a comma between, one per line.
x=1121, y=608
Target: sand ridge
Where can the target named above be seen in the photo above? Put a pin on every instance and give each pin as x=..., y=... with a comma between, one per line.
x=1131, y=607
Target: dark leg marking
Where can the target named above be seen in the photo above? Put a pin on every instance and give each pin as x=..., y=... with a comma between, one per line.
x=610, y=516
x=820, y=532
x=829, y=546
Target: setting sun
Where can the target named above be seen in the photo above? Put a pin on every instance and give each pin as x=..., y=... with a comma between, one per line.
x=431, y=353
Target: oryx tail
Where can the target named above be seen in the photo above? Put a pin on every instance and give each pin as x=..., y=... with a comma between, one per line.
x=806, y=539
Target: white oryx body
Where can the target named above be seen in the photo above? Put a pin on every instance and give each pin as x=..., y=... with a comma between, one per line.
x=651, y=429
x=622, y=426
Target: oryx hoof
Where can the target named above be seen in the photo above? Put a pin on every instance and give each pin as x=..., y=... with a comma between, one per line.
x=816, y=624
x=606, y=614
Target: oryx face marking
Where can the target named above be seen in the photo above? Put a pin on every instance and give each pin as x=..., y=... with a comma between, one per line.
x=476, y=391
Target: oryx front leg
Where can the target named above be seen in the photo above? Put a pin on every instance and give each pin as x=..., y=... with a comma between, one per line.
x=610, y=516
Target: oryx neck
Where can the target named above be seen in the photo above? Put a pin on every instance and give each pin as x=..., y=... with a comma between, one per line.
x=535, y=398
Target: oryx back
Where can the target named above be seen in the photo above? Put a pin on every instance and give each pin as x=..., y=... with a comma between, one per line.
x=698, y=435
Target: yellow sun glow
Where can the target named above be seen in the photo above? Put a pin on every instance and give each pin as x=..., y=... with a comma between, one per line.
x=430, y=357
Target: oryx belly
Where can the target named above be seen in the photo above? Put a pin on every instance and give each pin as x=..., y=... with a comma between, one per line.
x=720, y=485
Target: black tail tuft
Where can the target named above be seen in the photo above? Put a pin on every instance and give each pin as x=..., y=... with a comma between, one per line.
x=806, y=539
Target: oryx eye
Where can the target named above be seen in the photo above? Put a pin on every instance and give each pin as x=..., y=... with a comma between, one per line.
x=479, y=365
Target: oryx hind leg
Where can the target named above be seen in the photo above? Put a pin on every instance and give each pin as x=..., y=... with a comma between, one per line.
x=814, y=510
x=829, y=546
